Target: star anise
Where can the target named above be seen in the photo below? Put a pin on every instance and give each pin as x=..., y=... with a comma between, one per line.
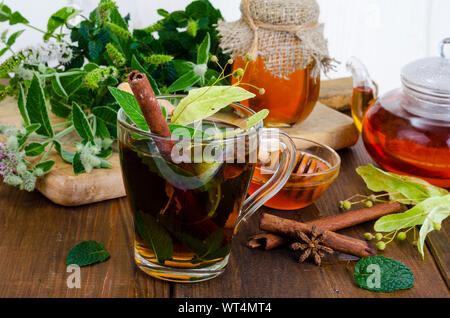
x=312, y=246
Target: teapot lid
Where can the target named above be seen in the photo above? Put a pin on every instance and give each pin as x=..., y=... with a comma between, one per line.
x=429, y=75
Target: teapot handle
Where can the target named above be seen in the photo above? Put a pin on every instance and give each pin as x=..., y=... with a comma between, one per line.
x=442, y=45
x=365, y=90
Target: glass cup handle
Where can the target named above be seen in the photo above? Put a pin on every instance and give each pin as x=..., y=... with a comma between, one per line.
x=279, y=178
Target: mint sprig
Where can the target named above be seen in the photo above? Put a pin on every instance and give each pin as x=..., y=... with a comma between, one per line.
x=382, y=274
x=87, y=253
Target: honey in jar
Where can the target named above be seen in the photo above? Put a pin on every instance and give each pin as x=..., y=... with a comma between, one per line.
x=290, y=101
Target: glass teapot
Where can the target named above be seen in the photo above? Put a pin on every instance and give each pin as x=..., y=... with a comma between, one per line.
x=407, y=130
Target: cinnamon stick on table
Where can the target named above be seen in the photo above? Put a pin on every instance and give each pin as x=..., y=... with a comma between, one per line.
x=337, y=242
x=333, y=223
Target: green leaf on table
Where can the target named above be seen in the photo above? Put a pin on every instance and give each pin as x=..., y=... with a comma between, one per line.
x=46, y=165
x=21, y=102
x=35, y=149
x=66, y=155
x=382, y=274
x=137, y=66
x=106, y=114
x=13, y=37
x=87, y=253
x=155, y=235
x=60, y=18
x=131, y=107
x=185, y=81
x=81, y=123
x=407, y=190
x=415, y=216
x=433, y=219
x=203, y=50
x=257, y=118
x=37, y=108
x=206, y=101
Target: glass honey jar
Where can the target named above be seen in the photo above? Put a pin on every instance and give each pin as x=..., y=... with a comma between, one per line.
x=407, y=131
x=290, y=101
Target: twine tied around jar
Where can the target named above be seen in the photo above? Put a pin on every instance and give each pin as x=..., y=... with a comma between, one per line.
x=285, y=33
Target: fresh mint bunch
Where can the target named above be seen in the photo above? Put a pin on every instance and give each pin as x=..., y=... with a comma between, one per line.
x=80, y=57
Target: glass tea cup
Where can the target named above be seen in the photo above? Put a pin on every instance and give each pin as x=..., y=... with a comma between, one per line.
x=188, y=204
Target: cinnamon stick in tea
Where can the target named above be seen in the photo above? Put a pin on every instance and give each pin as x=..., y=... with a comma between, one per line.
x=333, y=223
x=337, y=242
x=151, y=110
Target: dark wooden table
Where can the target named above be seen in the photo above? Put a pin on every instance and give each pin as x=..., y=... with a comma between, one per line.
x=35, y=236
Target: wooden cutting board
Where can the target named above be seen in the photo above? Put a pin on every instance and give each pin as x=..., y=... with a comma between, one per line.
x=62, y=187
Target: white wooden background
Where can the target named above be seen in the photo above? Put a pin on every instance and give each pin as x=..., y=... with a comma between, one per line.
x=385, y=34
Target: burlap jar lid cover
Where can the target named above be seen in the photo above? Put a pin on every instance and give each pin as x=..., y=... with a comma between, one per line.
x=285, y=33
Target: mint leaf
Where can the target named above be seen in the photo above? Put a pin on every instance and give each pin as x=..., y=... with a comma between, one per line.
x=131, y=107
x=35, y=149
x=28, y=131
x=17, y=18
x=78, y=166
x=382, y=274
x=135, y=65
x=106, y=114
x=46, y=165
x=21, y=101
x=67, y=156
x=206, y=101
x=155, y=235
x=187, y=80
x=13, y=37
x=5, y=12
x=58, y=19
x=37, y=108
x=81, y=123
x=87, y=253
x=203, y=50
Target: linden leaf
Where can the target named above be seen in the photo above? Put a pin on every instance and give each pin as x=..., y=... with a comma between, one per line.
x=436, y=216
x=258, y=117
x=206, y=101
x=407, y=190
x=415, y=216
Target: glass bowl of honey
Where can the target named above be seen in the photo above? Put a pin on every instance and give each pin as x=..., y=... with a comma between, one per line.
x=317, y=167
